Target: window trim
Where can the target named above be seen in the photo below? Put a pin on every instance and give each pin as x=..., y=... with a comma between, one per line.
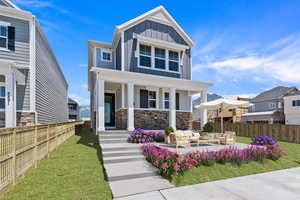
x=272, y=105
x=6, y=37
x=105, y=51
x=297, y=103
x=166, y=100
x=156, y=99
x=159, y=58
x=153, y=57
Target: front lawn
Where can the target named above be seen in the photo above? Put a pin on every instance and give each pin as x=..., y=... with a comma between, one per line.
x=218, y=171
x=73, y=171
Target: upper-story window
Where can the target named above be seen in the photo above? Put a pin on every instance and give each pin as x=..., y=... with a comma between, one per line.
x=296, y=103
x=173, y=61
x=160, y=58
x=157, y=58
x=272, y=105
x=106, y=55
x=3, y=37
x=145, y=56
x=72, y=106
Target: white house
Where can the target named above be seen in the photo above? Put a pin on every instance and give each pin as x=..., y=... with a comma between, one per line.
x=292, y=108
x=144, y=78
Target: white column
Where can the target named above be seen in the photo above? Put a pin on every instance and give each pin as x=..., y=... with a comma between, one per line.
x=203, y=111
x=100, y=113
x=10, y=103
x=123, y=95
x=172, y=111
x=130, y=110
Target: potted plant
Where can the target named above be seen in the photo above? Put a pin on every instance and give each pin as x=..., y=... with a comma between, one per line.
x=168, y=131
x=208, y=127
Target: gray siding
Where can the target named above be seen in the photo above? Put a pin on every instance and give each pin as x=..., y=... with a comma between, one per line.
x=264, y=106
x=104, y=64
x=51, y=87
x=23, y=93
x=21, y=54
x=118, y=56
x=156, y=31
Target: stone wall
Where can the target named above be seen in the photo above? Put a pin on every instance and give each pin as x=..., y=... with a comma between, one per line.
x=151, y=119
x=121, y=119
x=184, y=120
x=25, y=118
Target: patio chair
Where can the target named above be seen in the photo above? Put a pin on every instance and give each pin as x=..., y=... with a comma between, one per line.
x=179, y=139
x=228, y=138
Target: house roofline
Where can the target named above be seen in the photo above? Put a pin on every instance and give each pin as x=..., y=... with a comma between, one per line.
x=12, y=4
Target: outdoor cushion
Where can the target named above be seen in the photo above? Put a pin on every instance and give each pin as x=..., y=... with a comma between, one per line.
x=188, y=133
x=195, y=134
x=204, y=137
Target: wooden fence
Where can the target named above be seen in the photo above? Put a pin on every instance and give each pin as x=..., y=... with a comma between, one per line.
x=21, y=148
x=287, y=133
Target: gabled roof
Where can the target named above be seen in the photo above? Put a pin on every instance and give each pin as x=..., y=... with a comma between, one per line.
x=158, y=14
x=11, y=4
x=210, y=97
x=274, y=93
x=296, y=93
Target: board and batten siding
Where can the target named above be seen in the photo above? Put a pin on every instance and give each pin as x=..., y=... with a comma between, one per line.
x=104, y=64
x=156, y=31
x=21, y=55
x=51, y=87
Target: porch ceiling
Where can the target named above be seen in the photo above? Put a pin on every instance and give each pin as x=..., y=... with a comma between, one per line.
x=150, y=80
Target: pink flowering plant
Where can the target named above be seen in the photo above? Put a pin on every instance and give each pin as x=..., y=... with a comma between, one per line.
x=170, y=163
x=141, y=136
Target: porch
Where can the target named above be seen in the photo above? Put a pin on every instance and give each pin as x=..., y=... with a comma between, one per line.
x=128, y=100
x=10, y=77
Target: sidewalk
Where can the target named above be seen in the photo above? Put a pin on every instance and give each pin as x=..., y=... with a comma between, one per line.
x=276, y=185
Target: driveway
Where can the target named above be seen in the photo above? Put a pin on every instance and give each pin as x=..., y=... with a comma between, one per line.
x=276, y=185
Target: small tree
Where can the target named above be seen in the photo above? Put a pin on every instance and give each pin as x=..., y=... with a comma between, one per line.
x=168, y=130
x=208, y=127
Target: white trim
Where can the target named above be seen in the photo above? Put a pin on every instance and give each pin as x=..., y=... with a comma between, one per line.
x=3, y=23
x=148, y=16
x=103, y=50
x=15, y=13
x=95, y=57
x=32, y=69
x=117, y=76
x=12, y=4
x=5, y=37
x=122, y=52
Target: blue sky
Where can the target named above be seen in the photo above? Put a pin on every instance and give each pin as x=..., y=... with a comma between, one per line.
x=243, y=47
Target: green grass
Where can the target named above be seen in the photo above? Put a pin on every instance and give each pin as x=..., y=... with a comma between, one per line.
x=74, y=171
x=217, y=172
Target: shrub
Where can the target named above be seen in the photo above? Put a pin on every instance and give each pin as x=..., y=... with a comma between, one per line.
x=263, y=141
x=142, y=136
x=168, y=130
x=275, y=152
x=208, y=127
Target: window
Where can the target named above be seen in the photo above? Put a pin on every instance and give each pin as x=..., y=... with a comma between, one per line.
x=72, y=106
x=151, y=99
x=106, y=56
x=160, y=55
x=166, y=100
x=296, y=103
x=3, y=37
x=2, y=97
x=145, y=56
x=272, y=105
x=173, y=61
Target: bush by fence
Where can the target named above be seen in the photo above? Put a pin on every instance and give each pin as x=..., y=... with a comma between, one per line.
x=287, y=133
x=21, y=148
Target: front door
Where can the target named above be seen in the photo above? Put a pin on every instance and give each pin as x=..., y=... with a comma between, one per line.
x=109, y=109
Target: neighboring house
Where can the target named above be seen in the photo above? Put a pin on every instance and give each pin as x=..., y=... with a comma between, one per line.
x=143, y=79
x=268, y=107
x=85, y=113
x=197, y=114
x=33, y=87
x=292, y=108
x=73, y=110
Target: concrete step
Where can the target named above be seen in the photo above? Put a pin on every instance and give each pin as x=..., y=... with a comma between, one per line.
x=121, y=154
x=120, y=149
x=132, y=176
x=119, y=145
x=128, y=187
x=113, y=141
x=114, y=136
x=123, y=159
x=128, y=168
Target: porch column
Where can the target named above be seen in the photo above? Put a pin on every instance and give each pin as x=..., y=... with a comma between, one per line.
x=130, y=110
x=203, y=111
x=172, y=111
x=123, y=95
x=100, y=113
x=10, y=103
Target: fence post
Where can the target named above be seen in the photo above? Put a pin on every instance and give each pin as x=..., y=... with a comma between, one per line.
x=48, y=129
x=14, y=167
x=35, y=146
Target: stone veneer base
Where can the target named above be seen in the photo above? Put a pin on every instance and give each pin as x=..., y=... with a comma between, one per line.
x=25, y=118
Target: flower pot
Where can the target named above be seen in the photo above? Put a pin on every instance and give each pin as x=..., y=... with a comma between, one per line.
x=167, y=139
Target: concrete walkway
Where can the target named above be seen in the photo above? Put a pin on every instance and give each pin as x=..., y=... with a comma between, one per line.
x=276, y=185
x=127, y=170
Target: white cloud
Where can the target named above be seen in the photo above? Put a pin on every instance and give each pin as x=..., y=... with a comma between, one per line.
x=279, y=60
x=84, y=86
x=81, y=100
x=234, y=96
